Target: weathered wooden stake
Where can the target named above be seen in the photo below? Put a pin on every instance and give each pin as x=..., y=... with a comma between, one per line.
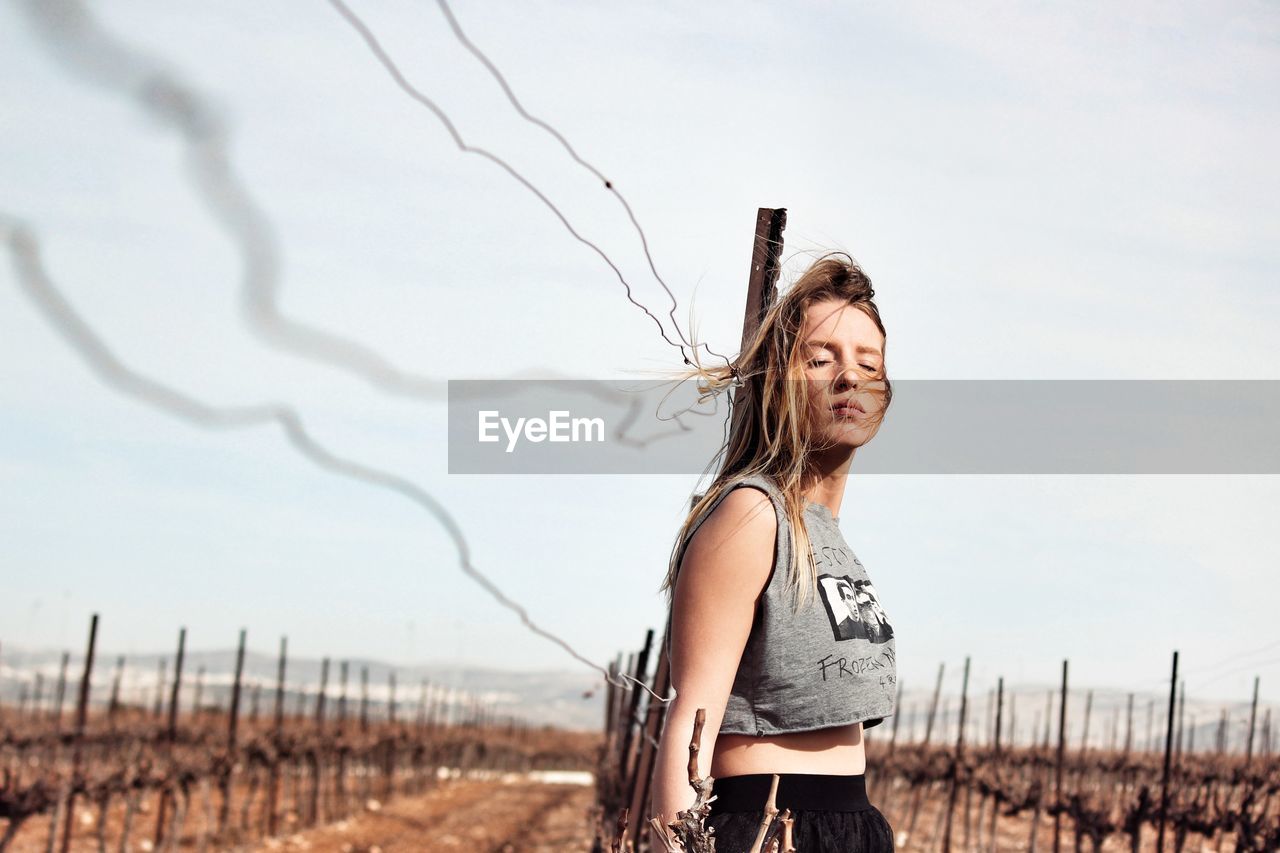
x=1168, y=754
x=171, y=732
x=82, y=709
x=1062, y=750
x=233, y=723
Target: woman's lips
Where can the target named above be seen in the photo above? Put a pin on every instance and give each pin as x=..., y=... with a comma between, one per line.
x=847, y=410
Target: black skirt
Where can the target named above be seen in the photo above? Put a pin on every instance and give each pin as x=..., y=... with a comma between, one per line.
x=832, y=813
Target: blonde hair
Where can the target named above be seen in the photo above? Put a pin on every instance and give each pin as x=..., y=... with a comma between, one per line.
x=770, y=431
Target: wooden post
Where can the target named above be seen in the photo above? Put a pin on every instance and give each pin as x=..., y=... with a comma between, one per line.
x=391, y=701
x=995, y=796
x=1182, y=708
x=1062, y=749
x=82, y=707
x=957, y=763
x=1128, y=730
x=1084, y=736
x=62, y=690
x=1168, y=751
x=171, y=731
x=364, y=698
x=897, y=703
x=422, y=709
x=324, y=686
x=159, y=706
x=630, y=724
x=766, y=250
x=273, y=780
x=1253, y=718
x=654, y=717
x=233, y=720
x=199, y=698
x=342, y=696
x=313, y=808
x=38, y=695
x=918, y=792
x=113, y=706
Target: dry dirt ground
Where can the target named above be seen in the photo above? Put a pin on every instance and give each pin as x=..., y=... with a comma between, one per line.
x=478, y=816
x=516, y=815
x=498, y=814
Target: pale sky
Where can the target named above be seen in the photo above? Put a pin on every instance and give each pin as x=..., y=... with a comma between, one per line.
x=1083, y=192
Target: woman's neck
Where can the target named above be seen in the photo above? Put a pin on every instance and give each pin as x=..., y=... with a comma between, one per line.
x=826, y=484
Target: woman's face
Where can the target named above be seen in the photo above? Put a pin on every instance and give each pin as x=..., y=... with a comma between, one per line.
x=841, y=346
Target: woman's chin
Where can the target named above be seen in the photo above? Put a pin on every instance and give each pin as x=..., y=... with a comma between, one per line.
x=849, y=438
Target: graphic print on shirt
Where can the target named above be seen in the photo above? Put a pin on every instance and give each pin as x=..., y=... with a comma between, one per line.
x=854, y=609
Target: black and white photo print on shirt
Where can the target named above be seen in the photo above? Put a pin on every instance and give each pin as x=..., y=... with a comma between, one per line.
x=854, y=609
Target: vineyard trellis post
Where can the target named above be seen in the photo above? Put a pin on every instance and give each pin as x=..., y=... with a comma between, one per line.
x=627, y=765
x=1168, y=751
x=1253, y=717
x=273, y=780
x=1013, y=720
x=391, y=702
x=161, y=668
x=62, y=691
x=1088, y=712
x=996, y=793
x=641, y=672
x=313, y=758
x=893, y=738
x=918, y=793
x=1128, y=731
x=77, y=748
x=957, y=764
x=171, y=732
x=113, y=706
x=340, y=784
x=233, y=722
x=655, y=716
x=342, y=695
x=1182, y=709
x=1062, y=749
x=364, y=699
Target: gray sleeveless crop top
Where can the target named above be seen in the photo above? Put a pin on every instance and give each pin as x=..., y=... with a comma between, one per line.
x=832, y=663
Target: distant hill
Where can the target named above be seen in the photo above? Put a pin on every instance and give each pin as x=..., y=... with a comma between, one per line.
x=562, y=699
x=575, y=700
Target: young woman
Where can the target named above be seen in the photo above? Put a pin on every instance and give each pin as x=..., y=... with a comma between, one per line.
x=774, y=627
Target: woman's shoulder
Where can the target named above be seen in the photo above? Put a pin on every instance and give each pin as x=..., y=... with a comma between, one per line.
x=764, y=482
x=744, y=502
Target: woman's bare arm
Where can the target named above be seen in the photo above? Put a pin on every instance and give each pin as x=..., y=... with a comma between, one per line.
x=725, y=568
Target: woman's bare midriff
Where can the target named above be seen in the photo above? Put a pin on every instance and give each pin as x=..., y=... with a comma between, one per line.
x=836, y=751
